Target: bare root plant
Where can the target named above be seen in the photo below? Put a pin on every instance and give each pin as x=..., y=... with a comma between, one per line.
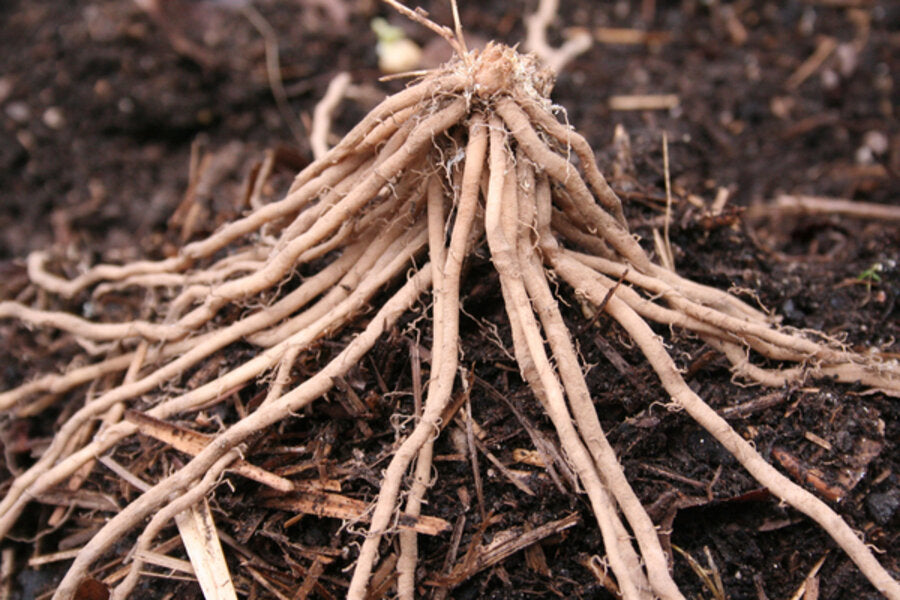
x=470, y=156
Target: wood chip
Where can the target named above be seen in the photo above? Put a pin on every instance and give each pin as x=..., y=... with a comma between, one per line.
x=198, y=533
x=718, y=205
x=350, y=509
x=817, y=440
x=165, y=561
x=736, y=30
x=809, y=589
x=45, y=559
x=527, y=457
x=383, y=578
x=799, y=470
x=504, y=544
x=163, y=548
x=512, y=477
x=756, y=405
x=311, y=580
x=81, y=498
x=193, y=442
x=259, y=578
x=536, y=560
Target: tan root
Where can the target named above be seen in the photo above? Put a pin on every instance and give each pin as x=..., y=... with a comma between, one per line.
x=469, y=157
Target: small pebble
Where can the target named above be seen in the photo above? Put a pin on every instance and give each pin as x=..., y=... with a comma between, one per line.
x=863, y=156
x=102, y=88
x=53, y=118
x=847, y=59
x=790, y=310
x=830, y=79
x=18, y=111
x=883, y=505
x=876, y=141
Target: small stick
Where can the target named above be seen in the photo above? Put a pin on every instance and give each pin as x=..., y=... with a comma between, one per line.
x=718, y=205
x=536, y=38
x=613, y=35
x=802, y=591
x=193, y=442
x=824, y=49
x=668, y=257
x=258, y=577
x=473, y=457
x=644, y=102
x=818, y=205
x=459, y=31
x=7, y=571
x=421, y=17
x=598, y=310
x=127, y=476
x=337, y=506
x=505, y=546
x=757, y=404
x=547, y=452
x=481, y=447
x=169, y=563
x=441, y=592
x=273, y=70
x=40, y=560
x=198, y=533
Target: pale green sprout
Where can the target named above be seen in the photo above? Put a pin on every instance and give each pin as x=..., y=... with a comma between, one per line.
x=871, y=275
x=396, y=52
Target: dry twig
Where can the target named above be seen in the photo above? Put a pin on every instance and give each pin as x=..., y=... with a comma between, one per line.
x=815, y=205
x=578, y=42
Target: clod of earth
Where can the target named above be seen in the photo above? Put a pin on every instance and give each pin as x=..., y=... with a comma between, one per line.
x=471, y=156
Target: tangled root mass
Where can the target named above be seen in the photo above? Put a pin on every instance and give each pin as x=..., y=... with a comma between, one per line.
x=469, y=157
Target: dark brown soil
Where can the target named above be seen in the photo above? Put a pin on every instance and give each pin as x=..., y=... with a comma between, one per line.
x=100, y=104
